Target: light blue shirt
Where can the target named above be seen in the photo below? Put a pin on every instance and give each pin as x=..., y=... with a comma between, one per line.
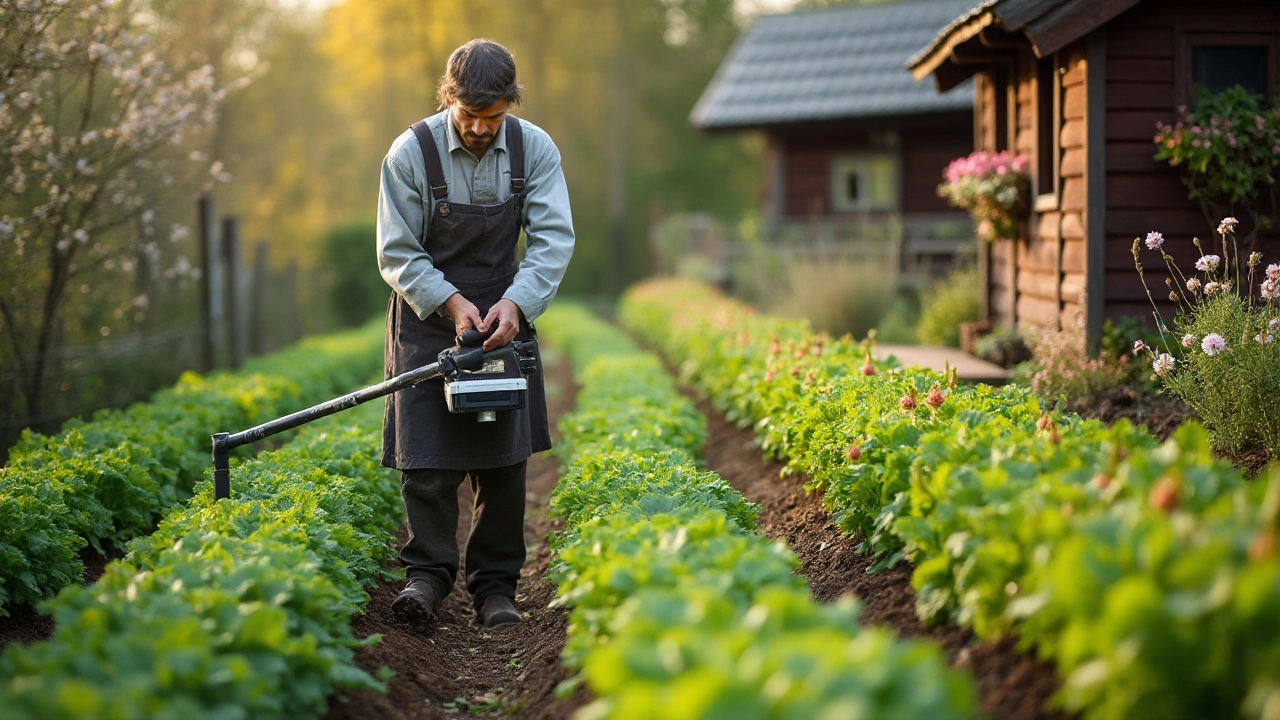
x=405, y=210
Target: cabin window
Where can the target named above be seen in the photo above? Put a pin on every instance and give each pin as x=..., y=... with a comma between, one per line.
x=862, y=183
x=1048, y=120
x=1218, y=61
x=1218, y=67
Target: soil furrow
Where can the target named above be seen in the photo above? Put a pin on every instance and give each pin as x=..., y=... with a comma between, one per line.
x=1011, y=685
x=457, y=667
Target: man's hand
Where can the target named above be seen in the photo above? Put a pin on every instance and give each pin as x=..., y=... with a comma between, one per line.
x=505, y=318
x=462, y=312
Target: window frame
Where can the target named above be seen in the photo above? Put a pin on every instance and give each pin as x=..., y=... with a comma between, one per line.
x=836, y=181
x=1047, y=198
x=1187, y=38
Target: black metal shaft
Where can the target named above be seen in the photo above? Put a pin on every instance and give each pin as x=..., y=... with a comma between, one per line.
x=223, y=443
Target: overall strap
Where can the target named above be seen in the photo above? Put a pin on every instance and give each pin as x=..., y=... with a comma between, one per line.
x=431, y=155
x=515, y=151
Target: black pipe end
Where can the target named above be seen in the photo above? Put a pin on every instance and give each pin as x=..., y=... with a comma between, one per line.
x=221, y=466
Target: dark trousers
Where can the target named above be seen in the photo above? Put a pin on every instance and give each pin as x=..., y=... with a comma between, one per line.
x=495, y=549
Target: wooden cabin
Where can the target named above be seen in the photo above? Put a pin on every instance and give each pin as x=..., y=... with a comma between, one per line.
x=1078, y=86
x=855, y=146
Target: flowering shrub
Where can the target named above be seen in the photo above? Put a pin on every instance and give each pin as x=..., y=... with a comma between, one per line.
x=1062, y=366
x=993, y=187
x=1230, y=149
x=1221, y=357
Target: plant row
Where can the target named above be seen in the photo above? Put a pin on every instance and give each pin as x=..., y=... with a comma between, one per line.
x=231, y=609
x=679, y=608
x=103, y=482
x=1148, y=573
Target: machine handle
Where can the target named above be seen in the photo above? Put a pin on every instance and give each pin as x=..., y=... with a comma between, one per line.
x=472, y=337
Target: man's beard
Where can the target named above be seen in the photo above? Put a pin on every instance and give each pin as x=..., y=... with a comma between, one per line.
x=477, y=142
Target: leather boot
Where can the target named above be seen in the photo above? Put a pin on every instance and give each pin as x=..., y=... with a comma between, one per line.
x=418, y=601
x=498, y=611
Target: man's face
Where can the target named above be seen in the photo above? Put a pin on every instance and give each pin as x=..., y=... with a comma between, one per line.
x=478, y=126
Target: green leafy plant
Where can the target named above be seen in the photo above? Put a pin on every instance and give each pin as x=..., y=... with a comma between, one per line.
x=102, y=482
x=673, y=595
x=1229, y=148
x=948, y=303
x=1221, y=355
x=230, y=609
x=1147, y=573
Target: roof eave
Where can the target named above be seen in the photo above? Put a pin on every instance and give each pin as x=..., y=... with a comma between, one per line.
x=942, y=47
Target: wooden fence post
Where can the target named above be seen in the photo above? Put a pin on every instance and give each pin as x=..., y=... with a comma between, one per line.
x=258, y=301
x=235, y=299
x=210, y=286
x=292, y=331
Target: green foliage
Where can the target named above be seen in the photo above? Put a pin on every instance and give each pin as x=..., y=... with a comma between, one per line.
x=233, y=609
x=1231, y=392
x=356, y=291
x=679, y=609
x=1221, y=355
x=948, y=303
x=102, y=482
x=1061, y=367
x=838, y=296
x=1228, y=145
x=1148, y=574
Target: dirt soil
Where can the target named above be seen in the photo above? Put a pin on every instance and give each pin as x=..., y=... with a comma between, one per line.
x=1159, y=413
x=26, y=625
x=1011, y=685
x=457, y=667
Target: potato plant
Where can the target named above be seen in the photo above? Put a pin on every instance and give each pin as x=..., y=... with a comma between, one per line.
x=101, y=482
x=1148, y=573
x=679, y=609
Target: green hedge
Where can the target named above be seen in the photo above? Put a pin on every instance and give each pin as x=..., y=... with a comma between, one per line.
x=234, y=609
x=679, y=609
x=102, y=482
x=1148, y=573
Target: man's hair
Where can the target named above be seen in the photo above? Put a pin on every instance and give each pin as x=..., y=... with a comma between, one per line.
x=479, y=74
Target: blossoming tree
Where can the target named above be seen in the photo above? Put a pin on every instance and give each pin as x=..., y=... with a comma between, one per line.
x=93, y=130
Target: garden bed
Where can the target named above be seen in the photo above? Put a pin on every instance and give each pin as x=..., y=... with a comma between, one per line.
x=458, y=667
x=1011, y=685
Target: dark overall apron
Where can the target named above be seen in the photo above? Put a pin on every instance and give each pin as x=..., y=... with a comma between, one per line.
x=475, y=247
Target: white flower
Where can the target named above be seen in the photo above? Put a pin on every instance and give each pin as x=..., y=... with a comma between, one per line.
x=1227, y=225
x=1212, y=288
x=1213, y=344
x=1138, y=346
x=1154, y=240
x=1273, y=325
x=1208, y=263
x=1163, y=364
x=81, y=236
x=1267, y=289
x=1188, y=340
x=1273, y=271
x=1193, y=285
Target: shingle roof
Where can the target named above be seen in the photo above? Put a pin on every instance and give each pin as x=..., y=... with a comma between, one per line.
x=839, y=63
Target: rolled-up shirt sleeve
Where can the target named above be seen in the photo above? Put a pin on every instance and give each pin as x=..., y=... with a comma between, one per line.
x=548, y=236
x=404, y=265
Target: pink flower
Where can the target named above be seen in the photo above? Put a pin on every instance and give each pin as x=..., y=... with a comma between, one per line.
x=1268, y=289
x=1227, y=225
x=1188, y=340
x=1154, y=240
x=1138, y=346
x=1193, y=285
x=1208, y=263
x=1231, y=140
x=1163, y=364
x=1212, y=288
x=1213, y=344
x=1273, y=271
